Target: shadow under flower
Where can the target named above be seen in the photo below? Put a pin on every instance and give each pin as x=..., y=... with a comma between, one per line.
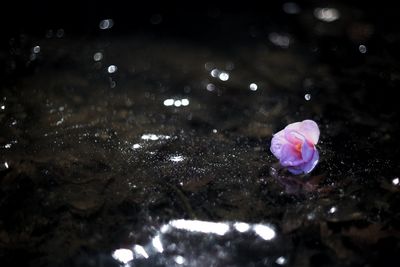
x=296, y=184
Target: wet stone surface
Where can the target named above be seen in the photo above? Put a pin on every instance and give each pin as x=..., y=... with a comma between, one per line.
x=126, y=149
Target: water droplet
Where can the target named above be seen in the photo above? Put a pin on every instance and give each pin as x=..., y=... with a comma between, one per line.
x=3, y=107
x=396, y=181
x=332, y=210
x=223, y=76
x=362, y=49
x=307, y=97
x=179, y=260
x=106, y=24
x=327, y=14
x=98, y=56
x=168, y=102
x=36, y=49
x=214, y=130
x=112, y=69
x=7, y=146
x=281, y=260
x=185, y=102
x=281, y=40
x=214, y=73
x=177, y=103
x=253, y=87
x=6, y=165
x=210, y=87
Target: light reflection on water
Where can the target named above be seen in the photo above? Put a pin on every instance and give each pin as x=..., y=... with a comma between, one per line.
x=123, y=255
x=200, y=226
x=170, y=242
x=176, y=102
x=155, y=137
x=177, y=158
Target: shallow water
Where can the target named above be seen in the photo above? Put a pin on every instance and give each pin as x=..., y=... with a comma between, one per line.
x=142, y=140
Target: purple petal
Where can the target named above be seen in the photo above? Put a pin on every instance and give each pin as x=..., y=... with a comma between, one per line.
x=294, y=137
x=289, y=156
x=307, y=128
x=310, y=165
x=307, y=151
x=295, y=126
x=310, y=130
x=278, y=140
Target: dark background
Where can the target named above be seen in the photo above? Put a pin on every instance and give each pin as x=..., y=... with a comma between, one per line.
x=182, y=18
x=213, y=23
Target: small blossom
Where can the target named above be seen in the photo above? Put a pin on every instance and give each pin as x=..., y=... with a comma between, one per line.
x=295, y=148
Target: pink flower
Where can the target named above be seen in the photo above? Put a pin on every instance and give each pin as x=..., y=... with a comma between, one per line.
x=295, y=148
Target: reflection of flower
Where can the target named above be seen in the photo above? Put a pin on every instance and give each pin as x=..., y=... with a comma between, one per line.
x=294, y=185
x=295, y=148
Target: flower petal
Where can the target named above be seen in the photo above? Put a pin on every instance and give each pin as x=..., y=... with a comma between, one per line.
x=310, y=165
x=310, y=130
x=294, y=137
x=290, y=156
x=307, y=151
x=307, y=128
x=278, y=140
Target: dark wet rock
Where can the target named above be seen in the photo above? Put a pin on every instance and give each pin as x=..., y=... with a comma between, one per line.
x=82, y=201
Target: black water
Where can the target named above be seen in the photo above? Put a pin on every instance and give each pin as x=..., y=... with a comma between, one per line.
x=122, y=138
